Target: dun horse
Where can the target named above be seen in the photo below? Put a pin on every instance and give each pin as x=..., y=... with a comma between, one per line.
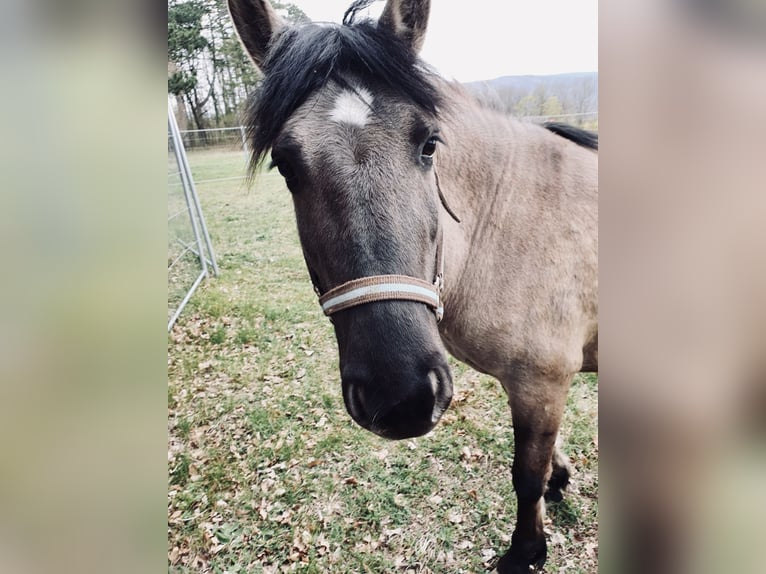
x=429, y=221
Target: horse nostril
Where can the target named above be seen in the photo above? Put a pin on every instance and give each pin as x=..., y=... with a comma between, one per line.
x=354, y=403
x=441, y=384
x=433, y=378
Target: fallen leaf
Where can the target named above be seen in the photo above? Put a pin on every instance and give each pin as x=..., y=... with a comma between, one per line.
x=487, y=554
x=557, y=539
x=455, y=516
x=380, y=454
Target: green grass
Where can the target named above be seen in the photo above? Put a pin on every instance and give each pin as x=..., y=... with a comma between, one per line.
x=267, y=472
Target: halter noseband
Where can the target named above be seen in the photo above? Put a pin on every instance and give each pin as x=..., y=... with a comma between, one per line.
x=387, y=287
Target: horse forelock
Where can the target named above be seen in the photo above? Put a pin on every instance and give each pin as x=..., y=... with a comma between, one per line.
x=305, y=58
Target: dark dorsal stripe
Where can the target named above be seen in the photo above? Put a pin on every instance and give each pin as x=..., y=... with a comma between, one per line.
x=579, y=136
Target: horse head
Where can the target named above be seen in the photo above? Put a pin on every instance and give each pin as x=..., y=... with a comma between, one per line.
x=351, y=117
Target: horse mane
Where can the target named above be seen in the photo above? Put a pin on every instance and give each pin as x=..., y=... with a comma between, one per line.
x=303, y=59
x=579, y=136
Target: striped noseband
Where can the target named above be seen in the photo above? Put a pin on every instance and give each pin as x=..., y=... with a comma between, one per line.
x=388, y=287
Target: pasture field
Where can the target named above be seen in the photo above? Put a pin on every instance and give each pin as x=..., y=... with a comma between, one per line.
x=266, y=471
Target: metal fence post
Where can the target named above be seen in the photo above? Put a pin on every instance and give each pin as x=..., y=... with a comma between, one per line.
x=244, y=139
x=194, y=210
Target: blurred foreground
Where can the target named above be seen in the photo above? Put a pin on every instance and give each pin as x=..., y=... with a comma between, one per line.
x=683, y=182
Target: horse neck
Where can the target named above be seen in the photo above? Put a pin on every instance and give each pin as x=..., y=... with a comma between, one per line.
x=479, y=169
x=504, y=179
x=482, y=158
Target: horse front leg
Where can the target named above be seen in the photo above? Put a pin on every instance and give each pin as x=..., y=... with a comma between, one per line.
x=537, y=407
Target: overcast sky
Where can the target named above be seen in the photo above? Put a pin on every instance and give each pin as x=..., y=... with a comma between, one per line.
x=485, y=39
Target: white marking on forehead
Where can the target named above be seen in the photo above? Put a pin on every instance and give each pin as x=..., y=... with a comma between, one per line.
x=352, y=107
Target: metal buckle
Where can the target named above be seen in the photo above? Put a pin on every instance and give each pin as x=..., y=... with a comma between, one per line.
x=439, y=285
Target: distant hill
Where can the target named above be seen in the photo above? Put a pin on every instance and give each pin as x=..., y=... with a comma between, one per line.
x=549, y=96
x=530, y=83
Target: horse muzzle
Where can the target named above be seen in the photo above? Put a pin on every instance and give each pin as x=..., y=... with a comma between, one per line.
x=395, y=405
x=396, y=383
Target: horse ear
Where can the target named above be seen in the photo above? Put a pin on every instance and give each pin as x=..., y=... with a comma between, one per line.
x=407, y=19
x=256, y=23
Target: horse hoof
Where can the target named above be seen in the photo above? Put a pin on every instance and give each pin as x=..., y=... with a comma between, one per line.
x=558, y=481
x=532, y=560
x=554, y=495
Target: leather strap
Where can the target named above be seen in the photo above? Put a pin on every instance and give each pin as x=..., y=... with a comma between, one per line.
x=379, y=288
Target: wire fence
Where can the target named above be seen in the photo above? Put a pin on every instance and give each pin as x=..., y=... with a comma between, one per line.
x=227, y=139
x=235, y=138
x=585, y=119
x=190, y=252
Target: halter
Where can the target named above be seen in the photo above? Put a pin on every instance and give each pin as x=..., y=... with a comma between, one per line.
x=391, y=287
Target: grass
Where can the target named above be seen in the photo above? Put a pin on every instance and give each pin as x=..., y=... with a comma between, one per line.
x=266, y=471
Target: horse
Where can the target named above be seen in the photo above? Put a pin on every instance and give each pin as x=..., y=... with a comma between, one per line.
x=430, y=223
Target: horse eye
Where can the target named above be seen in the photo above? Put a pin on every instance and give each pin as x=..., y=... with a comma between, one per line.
x=284, y=168
x=429, y=149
